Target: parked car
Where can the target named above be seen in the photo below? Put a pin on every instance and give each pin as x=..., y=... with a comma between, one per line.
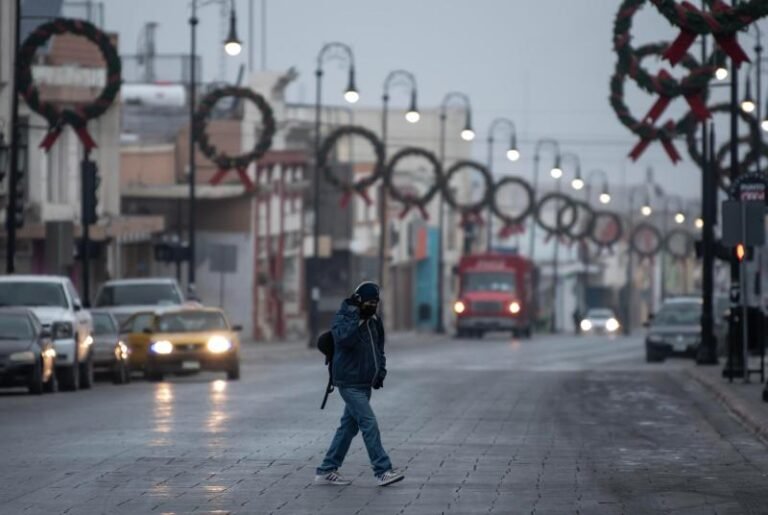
x=675, y=329
x=27, y=356
x=182, y=341
x=599, y=321
x=57, y=305
x=124, y=297
x=110, y=354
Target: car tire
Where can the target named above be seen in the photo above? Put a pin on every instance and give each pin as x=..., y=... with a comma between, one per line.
x=36, y=379
x=69, y=376
x=233, y=374
x=120, y=374
x=52, y=386
x=86, y=373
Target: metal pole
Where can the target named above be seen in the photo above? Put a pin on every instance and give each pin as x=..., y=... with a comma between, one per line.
x=192, y=91
x=630, y=269
x=734, y=322
x=13, y=173
x=532, y=219
x=441, y=224
x=555, y=273
x=311, y=279
x=663, y=252
x=263, y=35
x=489, y=242
x=383, y=196
x=250, y=36
x=85, y=240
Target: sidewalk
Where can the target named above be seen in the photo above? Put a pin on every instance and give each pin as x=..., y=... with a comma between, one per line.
x=281, y=350
x=744, y=400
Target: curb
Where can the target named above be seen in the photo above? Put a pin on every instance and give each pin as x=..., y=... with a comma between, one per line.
x=734, y=404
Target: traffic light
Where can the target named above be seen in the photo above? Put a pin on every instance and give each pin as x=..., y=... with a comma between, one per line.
x=90, y=188
x=742, y=252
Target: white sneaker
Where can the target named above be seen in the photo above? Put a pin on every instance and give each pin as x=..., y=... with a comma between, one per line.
x=331, y=478
x=389, y=477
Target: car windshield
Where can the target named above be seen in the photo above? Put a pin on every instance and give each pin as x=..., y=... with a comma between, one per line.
x=489, y=281
x=678, y=314
x=147, y=294
x=35, y=294
x=103, y=324
x=599, y=313
x=191, y=321
x=15, y=327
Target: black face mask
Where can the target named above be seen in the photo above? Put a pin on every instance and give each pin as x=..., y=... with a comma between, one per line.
x=367, y=311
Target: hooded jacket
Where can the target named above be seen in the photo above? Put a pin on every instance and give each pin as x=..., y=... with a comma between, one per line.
x=358, y=359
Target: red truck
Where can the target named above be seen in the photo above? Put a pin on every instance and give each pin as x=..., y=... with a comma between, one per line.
x=495, y=294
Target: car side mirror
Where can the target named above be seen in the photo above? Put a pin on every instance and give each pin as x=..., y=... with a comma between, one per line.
x=237, y=328
x=45, y=333
x=77, y=306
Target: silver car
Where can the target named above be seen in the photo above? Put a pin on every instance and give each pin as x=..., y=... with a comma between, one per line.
x=124, y=297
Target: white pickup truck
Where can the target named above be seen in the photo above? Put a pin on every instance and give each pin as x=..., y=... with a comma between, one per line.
x=57, y=304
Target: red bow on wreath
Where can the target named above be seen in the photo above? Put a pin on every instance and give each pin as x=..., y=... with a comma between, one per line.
x=726, y=41
x=81, y=129
x=469, y=217
x=510, y=230
x=694, y=99
x=241, y=173
x=410, y=205
x=669, y=147
x=347, y=196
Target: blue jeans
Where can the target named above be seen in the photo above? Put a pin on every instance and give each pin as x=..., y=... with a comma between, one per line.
x=357, y=415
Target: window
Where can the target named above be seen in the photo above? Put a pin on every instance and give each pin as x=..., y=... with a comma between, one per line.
x=15, y=326
x=147, y=294
x=191, y=322
x=19, y=293
x=142, y=321
x=489, y=281
x=103, y=324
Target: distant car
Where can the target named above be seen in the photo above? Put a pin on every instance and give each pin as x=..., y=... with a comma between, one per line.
x=110, y=354
x=124, y=297
x=182, y=341
x=56, y=303
x=599, y=321
x=675, y=329
x=27, y=356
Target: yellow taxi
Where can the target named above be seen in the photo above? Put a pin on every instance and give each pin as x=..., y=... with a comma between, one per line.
x=182, y=340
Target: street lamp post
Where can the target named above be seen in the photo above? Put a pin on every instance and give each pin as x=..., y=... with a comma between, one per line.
x=604, y=199
x=394, y=78
x=513, y=154
x=232, y=46
x=679, y=217
x=645, y=208
x=535, y=183
x=467, y=134
x=351, y=95
x=556, y=260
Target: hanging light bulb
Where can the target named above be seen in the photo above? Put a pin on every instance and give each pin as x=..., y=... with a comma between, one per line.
x=413, y=116
x=679, y=218
x=577, y=183
x=699, y=223
x=721, y=73
x=748, y=104
x=232, y=45
x=351, y=95
x=646, y=210
x=605, y=197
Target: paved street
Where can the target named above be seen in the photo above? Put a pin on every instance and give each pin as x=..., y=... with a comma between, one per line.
x=547, y=426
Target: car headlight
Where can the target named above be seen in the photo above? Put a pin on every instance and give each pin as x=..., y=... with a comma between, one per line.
x=121, y=352
x=218, y=344
x=612, y=325
x=62, y=330
x=514, y=307
x=585, y=325
x=23, y=357
x=161, y=347
x=459, y=307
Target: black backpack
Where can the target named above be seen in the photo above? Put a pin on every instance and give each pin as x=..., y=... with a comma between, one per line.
x=326, y=346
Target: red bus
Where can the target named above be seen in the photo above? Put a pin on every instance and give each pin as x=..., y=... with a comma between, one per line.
x=495, y=294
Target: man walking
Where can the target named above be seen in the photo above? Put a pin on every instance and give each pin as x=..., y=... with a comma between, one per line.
x=358, y=365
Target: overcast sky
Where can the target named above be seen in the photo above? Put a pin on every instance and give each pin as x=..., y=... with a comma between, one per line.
x=545, y=64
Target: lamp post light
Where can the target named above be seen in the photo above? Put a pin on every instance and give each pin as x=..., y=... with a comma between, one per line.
x=467, y=134
x=394, y=78
x=555, y=172
x=512, y=153
x=605, y=194
x=232, y=46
